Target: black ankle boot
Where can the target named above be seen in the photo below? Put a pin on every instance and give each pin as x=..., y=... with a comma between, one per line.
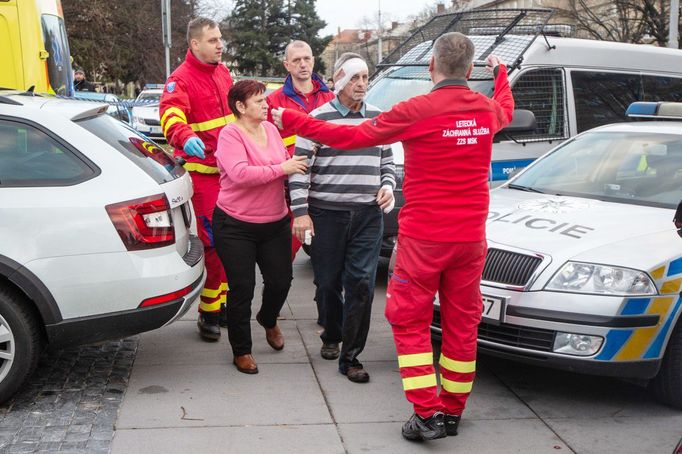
x=209, y=330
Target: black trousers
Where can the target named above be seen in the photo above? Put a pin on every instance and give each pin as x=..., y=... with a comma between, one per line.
x=240, y=246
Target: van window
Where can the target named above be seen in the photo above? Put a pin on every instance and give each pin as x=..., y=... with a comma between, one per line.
x=542, y=92
x=602, y=98
x=406, y=82
x=658, y=88
x=30, y=157
x=59, y=61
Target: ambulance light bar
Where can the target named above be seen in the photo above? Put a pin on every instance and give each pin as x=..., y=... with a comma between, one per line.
x=658, y=110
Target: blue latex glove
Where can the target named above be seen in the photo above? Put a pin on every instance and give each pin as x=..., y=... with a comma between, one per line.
x=195, y=147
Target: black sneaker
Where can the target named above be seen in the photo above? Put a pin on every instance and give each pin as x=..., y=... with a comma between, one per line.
x=330, y=350
x=417, y=428
x=209, y=330
x=451, y=424
x=222, y=321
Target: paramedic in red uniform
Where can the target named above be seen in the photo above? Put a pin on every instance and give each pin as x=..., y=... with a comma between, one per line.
x=193, y=111
x=304, y=91
x=447, y=136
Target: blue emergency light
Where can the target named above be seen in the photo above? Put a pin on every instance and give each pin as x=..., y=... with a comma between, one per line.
x=658, y=110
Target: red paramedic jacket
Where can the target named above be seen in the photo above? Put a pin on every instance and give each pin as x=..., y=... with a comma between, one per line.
x=194, y=103
x=447, y=136
x=287, y=96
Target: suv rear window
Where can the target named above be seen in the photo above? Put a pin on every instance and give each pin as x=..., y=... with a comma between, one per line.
x=29, y=157
x=145, y=154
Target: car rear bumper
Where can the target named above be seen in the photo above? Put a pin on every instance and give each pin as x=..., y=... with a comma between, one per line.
x=117, y=325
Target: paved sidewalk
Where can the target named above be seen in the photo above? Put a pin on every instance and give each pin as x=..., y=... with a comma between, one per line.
x=185, y=395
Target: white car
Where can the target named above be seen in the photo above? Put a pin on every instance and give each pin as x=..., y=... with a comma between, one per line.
x=146, y=113
x=97, y=237
x=584, y=264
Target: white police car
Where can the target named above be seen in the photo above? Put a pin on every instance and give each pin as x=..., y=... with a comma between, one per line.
x=97, y=239
x=145, y=112
x=584, y=266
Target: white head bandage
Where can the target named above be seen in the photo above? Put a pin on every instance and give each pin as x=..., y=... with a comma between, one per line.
x=347, y=71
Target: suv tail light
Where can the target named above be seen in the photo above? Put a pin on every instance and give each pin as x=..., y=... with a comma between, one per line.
x=144, y=223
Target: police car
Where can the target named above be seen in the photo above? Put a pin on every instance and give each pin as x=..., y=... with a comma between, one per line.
x=584, y=264
x=145, y=112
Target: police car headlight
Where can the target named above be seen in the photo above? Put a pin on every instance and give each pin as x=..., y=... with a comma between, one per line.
x=576, y=277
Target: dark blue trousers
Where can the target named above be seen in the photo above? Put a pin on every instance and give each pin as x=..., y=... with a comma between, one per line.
x=345, y=253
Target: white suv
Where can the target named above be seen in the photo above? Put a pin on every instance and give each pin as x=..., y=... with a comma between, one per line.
x=97, y=237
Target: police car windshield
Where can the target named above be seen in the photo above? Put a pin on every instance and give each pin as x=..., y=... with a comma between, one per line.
x=149, y=97
x=626, y=167
x=397, y=85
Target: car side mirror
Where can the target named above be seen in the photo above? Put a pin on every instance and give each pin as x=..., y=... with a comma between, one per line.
x=522, y=121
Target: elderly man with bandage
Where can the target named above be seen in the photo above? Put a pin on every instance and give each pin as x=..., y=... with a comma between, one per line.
x=339, y=203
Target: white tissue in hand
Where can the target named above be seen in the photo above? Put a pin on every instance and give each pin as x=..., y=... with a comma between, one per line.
x=390, y=207
x=308, y=237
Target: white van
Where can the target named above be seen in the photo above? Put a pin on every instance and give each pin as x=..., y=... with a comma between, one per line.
x=571, y=85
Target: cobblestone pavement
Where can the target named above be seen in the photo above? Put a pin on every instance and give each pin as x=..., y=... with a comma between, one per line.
x=71, y=402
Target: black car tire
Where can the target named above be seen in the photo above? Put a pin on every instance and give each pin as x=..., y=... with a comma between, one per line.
x=667, y=384
x=21, y=322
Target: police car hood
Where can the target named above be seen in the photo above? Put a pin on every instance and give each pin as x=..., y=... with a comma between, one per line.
x=571, y=228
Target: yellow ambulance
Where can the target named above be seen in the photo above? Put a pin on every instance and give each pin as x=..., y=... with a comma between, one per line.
x=34, y=49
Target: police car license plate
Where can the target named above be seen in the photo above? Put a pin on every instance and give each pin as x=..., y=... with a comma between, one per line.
x=493, y=308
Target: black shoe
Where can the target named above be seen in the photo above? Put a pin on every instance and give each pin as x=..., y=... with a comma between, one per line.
x=222, y=321
x=209, y=329
x=451, y=424
x=330, y=350
x=417, y=428
x=357, y=374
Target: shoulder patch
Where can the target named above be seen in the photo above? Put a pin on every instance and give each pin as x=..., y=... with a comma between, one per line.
x=170, y=88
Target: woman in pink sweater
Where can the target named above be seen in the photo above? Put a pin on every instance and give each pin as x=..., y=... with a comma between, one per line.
x=251, y=219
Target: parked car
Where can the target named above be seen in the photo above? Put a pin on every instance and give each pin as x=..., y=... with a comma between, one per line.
x=571, y=85
x=98, y=237
x=584, y=265
x=116, y=109
x=146, y=113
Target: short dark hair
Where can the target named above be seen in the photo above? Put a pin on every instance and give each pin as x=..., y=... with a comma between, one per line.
x=196, y=27
x=241, y=91
x=453, y=54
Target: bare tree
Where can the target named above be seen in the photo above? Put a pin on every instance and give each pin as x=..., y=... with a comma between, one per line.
x=632, y=21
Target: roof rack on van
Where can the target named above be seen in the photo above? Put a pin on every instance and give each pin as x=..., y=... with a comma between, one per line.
x=153, y=87
x=508, y=33
x=655, y=110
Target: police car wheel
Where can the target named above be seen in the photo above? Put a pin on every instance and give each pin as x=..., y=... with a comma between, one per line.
x=20, y=342
x=667, y=385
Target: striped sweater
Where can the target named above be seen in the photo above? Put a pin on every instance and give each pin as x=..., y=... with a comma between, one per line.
x=340, y=179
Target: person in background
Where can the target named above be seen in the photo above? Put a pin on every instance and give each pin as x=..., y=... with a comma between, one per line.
x=441, y=239
x=305, y=91
x=193, y=110
x=339, y=201
x=251, y=222
x=80, y=83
